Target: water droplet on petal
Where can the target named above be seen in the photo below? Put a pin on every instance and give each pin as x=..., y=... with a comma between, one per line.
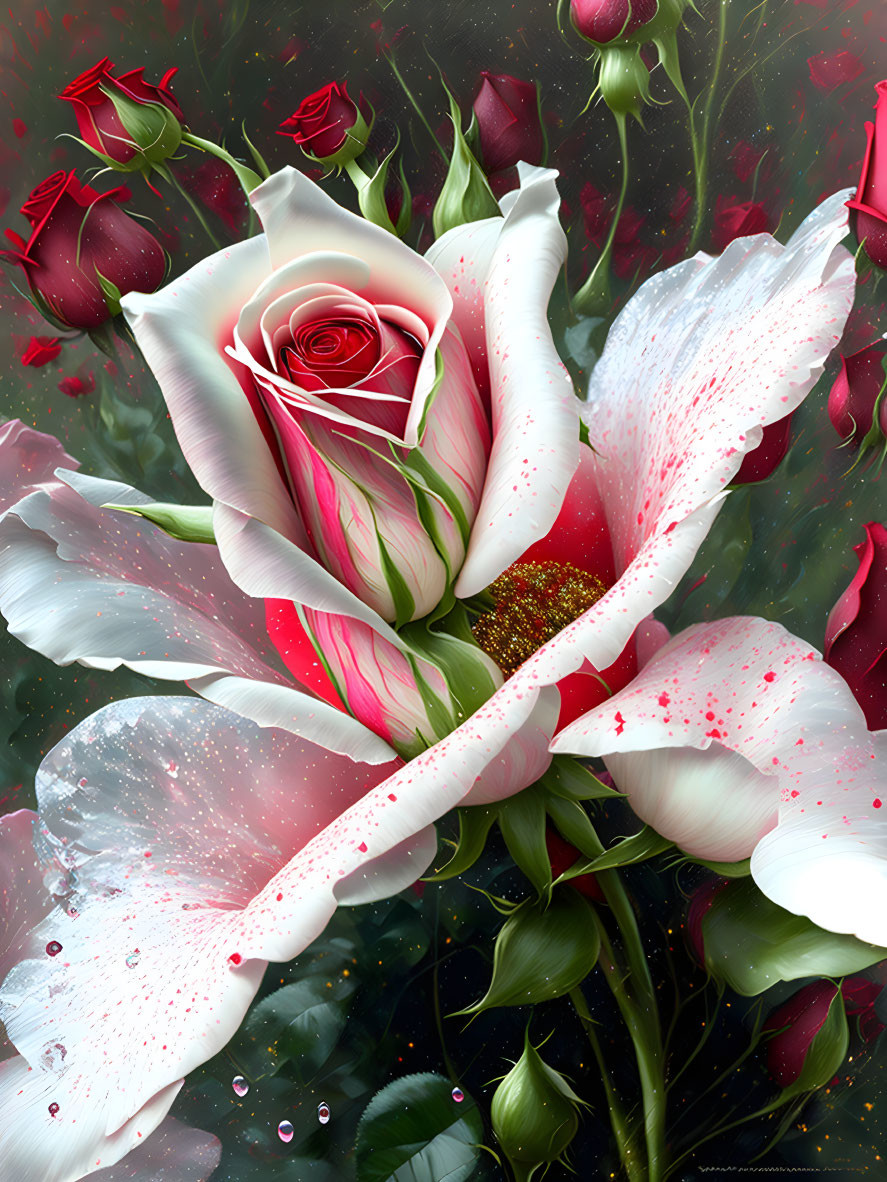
x=323, y=1113
x=53, y=1109
x=133, y=959
x=240, y=1085
x=285, y=1131
x=53, y=948
x=458, y=1095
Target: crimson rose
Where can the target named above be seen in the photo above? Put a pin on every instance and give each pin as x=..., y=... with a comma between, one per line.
x=329, y=125
x=84, y=252
x=128, y=122
x=869, y=206
x=508, y=123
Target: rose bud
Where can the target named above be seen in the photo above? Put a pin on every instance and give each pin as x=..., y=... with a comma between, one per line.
x=856, y=630
x=329, y=126
x=763, y=460
x=737, y=219
x=508, y=122
x=534, y=1113
x=868, y=218
x=564, y=856
x=84, y=252
x=860, y=996
x=603, y=21
x=810, y=1038
x=127, y=122
x=857, y=394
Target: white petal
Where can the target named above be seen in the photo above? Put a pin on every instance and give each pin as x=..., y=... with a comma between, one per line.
x=750, y=687
x=534, y=409
x=183, y=329
x=105, y=588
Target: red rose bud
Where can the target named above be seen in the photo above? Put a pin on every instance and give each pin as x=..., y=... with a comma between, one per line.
x=562, y=856
x=856, y=403
x=812, y=1037
x=84, y=252
x=860, y=996
x=329, y=126
x=763, y=460
x=508, y=122
x=700, y=903
x=737, y=219
x=856, y=630
x=41, y=350
x=868, y=218
x=77, y=385
x=603, y=21
x=127, y=122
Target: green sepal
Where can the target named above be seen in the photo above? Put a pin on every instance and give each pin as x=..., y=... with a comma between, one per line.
x=573, y=824
x=522, y=823
x=751, y=943
x=404, y=604
x=534, y=1113
x=371, y=195
x=466, y=196
x=187, y=523
x=474, y=825
x=111, y=292
x=353, y=145
x=541, y=952
x=471, y=676
x=826, y=1052
x=258, y=158
x=725, y=869
x=440, y=714
x=638, y=848
x=154, y=131
x=568, y=778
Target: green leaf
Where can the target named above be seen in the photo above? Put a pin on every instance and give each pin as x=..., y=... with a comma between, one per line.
x=522, y=822
x=470, y=674
x=474, y=825
x=414, y=1131
x=750, y=943
x=637, y=848
x=110, y=291
x=725, y=869
x=298, y=1024
x=541, y=952
x=188, y=523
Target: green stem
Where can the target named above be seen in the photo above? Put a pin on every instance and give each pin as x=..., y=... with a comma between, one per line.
x=642, y=1020
x=249, y=179
x=594, y=293
x=701, y=148
x=196, y=211
x=416, y=107
x=631, y=1163
x=438, y=1017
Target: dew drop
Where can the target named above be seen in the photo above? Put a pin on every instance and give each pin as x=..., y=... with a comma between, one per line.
x=285, y=1131
x=133, y=959
x=53, y=948
x=53, y=1109
x=458, y=1095
x=240, y=1085
x=323, y=1113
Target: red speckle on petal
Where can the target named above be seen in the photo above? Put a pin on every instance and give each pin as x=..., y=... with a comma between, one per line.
x=620, y=722
x=664, y=699
x=235, y=958
x=363, y=847
x=876, y=804
x=769, y=677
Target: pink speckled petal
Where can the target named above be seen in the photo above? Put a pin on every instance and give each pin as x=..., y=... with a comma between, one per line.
x=234, y=847
x=672, y=434
x=748, y=687
x=174, y=1153
x=79, y=583
x=534, y=410
x=704, y=356
x=28, y=459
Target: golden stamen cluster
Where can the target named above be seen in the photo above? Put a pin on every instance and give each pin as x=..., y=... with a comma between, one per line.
x=534, y=601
